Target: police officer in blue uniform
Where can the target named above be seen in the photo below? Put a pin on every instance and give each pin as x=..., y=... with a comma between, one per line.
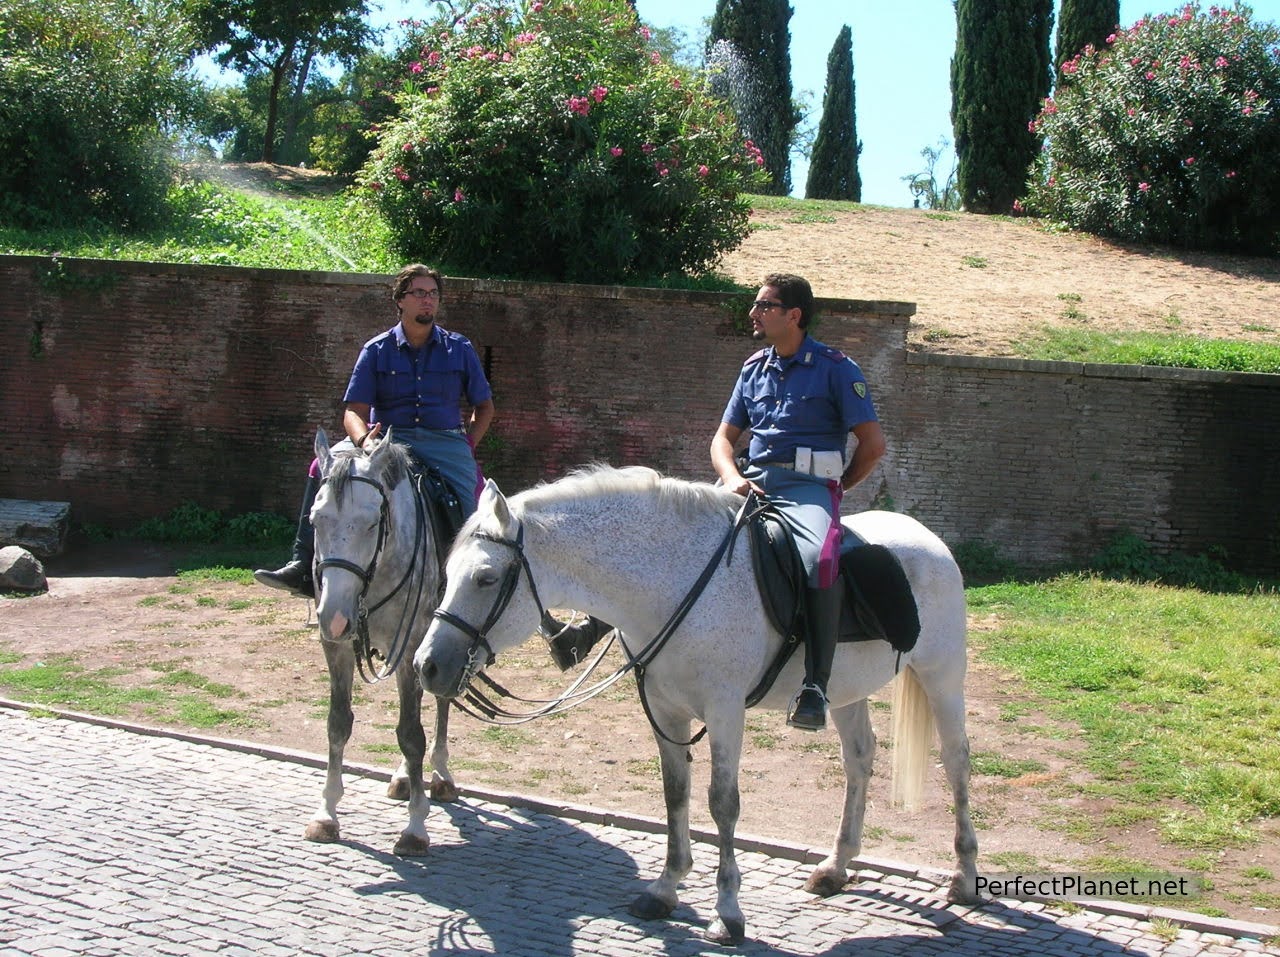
x=412, y=379
x=800, y=399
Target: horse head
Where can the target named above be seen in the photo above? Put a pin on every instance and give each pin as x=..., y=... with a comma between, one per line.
x=490, y=604
x=353, y=520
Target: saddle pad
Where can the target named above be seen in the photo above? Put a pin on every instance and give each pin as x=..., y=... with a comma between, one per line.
x=878, y=601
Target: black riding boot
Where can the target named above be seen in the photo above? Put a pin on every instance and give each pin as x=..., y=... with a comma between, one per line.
x=295, y=576
x=822, y=633
x=570, y=643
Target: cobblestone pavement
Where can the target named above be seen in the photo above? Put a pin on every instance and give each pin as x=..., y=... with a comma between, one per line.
x=119, y=842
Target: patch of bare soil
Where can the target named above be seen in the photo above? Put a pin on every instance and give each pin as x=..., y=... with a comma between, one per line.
x=118, y=608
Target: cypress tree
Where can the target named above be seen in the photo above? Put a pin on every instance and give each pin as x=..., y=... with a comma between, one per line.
x=1000, y=75
x=759, y=32
x=1081, y=22
x=833, y=167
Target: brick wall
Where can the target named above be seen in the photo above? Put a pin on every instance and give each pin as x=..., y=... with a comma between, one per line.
x=1050, y=459
x=131, y=388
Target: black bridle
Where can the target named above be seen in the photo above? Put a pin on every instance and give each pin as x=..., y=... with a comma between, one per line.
x=401, y=639
x=506, y=591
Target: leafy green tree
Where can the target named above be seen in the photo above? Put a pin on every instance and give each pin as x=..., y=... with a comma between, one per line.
x=759, y=33
x=999, y=77
x=91, y=95
x=1169, y=135
x=833, y=165
x=551, y=142
x=281, y=38
x=924, y=186
x=1084, y=22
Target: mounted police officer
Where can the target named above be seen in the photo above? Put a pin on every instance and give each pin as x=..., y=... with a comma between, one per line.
x=800, y=399
x=412, y=379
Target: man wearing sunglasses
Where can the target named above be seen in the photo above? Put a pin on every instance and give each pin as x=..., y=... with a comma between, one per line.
x=411, y=379
x=800, y=400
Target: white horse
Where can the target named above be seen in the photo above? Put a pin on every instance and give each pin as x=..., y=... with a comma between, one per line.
x=378, y=581
x=626, y=545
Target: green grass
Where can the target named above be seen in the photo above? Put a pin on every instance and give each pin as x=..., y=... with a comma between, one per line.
x=997, y=765
x=1176, y=692
x=61, y=682
x=213, y=224
x=1150, y=349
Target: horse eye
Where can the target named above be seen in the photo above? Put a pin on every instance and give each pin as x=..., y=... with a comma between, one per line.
x=485, y=578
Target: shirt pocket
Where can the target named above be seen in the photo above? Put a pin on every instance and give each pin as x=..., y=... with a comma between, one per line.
x=762, y=406
x=802, y=412
x=394, y=384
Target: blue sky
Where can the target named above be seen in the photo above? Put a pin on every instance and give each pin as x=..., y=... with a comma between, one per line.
x=901, y=68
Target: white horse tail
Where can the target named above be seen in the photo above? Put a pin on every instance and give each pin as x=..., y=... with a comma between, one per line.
x=912, y=738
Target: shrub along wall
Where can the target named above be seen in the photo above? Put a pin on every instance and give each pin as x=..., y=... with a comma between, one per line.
x=131, y=388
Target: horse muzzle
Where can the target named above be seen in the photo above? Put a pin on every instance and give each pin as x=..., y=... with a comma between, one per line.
x=443, y=664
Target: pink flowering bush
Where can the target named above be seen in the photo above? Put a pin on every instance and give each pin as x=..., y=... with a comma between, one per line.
x=544, y=141
x=1169, y=134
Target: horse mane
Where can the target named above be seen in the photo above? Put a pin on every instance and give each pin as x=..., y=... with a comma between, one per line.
x=690, y=500
x=394, y=466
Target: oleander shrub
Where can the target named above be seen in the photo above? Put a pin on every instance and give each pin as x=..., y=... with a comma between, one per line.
x=1168, y=134
x=548, y=141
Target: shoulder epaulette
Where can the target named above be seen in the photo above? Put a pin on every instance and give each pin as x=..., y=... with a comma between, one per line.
x=755, y=357
x=835, y=355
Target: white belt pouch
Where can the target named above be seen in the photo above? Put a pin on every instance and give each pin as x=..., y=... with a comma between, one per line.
x=827, y=465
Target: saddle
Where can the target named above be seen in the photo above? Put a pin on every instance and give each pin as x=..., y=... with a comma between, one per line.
x=441, y=502
x=878, y=604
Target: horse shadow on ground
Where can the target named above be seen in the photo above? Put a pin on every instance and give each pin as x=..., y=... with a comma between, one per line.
x=519, y=882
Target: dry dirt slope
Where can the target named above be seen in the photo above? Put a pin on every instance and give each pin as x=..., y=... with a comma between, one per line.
x=980, y=282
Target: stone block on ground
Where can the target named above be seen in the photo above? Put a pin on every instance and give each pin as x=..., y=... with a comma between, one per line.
x=20, y=570
x=39, y=527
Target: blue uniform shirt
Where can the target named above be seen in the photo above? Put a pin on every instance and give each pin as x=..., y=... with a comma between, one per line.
x=417, y=388
x=809, y=400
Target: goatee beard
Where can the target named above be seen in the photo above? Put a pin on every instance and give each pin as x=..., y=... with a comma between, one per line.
x=757, y=334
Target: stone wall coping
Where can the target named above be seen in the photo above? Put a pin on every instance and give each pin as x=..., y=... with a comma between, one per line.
x=860, y=307
x=1095, y=370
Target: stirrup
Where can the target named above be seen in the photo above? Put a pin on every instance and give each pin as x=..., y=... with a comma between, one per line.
x=797, y=720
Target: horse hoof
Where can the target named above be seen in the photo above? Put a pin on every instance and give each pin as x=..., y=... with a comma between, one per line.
x=410, y=845
x=444, y=792
x=825, y=883
x=650, y=907
x=727, y=933
x=322, y=832
x=963, y=890
x=398, y=789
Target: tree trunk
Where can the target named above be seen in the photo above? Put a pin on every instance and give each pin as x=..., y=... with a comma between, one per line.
x=295, y=102
x=278, y=72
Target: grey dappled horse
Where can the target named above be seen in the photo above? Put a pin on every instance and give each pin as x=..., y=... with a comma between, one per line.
x=377, y=583
x=625, y=546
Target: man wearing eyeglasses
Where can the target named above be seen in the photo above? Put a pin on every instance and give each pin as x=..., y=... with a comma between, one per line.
x=410, y=379
x=800, y=400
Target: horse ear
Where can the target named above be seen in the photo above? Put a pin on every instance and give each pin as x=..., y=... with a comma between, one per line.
x=323, y=454
x=493, y=506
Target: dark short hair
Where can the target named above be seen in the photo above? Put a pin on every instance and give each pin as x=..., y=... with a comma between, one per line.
x=405, y=277
x=794, y=292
